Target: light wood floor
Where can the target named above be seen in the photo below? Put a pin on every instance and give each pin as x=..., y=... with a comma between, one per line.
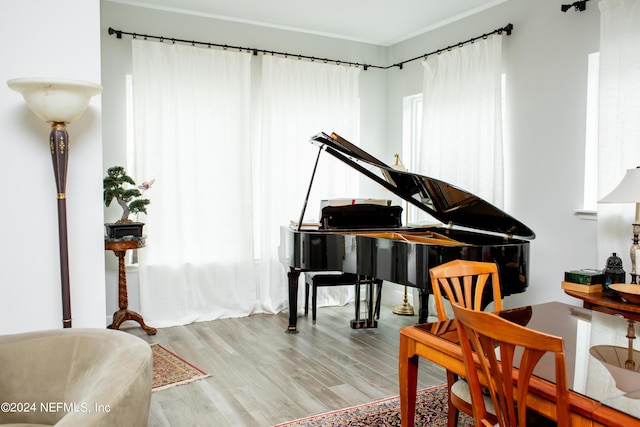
x=262, y=376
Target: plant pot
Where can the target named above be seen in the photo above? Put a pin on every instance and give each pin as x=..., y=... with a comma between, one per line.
x=124, y=229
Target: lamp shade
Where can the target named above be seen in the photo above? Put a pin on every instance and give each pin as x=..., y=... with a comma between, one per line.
x=56, y=100
x=627, y=191
x=614, y=358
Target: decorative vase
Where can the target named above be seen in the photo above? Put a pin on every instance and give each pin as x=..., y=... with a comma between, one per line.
x=613, y=272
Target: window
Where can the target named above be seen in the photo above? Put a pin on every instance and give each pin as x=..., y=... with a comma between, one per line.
x=591, y=140
x=411, y=129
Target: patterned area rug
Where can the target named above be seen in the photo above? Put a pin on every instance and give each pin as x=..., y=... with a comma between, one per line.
x=170, y=370
x=431, y=411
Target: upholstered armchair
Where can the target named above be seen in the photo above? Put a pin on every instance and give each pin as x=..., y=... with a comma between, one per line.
x=75, y=377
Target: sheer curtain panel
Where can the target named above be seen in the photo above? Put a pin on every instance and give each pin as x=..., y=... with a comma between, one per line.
x=299, y=99
x=462, y=118
x=191, y=124
x=229, y=149
x=619, y=120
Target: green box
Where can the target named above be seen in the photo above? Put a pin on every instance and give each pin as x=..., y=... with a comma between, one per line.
x=586, y=276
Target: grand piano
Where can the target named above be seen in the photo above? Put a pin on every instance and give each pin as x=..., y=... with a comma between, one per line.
x=472, y=229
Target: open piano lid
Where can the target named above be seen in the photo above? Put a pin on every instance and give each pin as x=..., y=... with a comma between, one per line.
x=445, y=202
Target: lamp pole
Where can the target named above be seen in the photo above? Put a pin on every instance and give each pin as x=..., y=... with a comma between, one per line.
x=58, y=102
x=59, y=144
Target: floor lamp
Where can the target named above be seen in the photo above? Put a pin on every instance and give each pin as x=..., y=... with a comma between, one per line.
x=404, y=309
x=58, y=102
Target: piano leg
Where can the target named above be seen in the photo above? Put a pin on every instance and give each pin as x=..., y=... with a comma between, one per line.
x=293, y=275
x=423, y=311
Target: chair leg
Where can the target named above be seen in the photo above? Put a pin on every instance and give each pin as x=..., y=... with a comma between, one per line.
x=452, y=414
x=356, y=301
x=314, y=303
x=306, y=299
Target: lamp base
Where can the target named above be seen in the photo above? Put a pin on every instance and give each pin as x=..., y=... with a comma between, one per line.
x=634, y=251
x=404, y=309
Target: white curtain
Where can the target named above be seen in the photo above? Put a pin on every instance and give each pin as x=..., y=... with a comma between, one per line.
x=299, y=100
x=191, y=121
x=619, y=120
x=462, y=118
x=231, y=159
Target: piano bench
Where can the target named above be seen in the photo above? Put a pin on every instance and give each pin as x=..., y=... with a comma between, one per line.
x=315, y=280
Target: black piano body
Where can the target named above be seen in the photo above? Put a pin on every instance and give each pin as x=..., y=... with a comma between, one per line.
x=404, y=255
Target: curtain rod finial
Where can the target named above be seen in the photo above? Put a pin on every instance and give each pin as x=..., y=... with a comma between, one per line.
x=508, y=29
x=118, y=34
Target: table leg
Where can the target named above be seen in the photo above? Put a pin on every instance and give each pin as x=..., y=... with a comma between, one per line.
x=124, y=313
x=123, y=299
x=408, y=380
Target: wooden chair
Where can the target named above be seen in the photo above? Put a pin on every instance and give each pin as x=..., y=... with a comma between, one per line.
x=484, y=337
x=463, y=283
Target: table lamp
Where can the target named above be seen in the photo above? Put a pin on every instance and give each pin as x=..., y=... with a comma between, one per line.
x=628, y=191
x=58, y=102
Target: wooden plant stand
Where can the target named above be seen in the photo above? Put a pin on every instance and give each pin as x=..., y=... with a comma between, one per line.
x=119, y=248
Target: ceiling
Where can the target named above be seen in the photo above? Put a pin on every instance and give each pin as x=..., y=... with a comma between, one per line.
x=379, y=22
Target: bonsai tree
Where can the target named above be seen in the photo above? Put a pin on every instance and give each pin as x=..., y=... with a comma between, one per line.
x=129, y=199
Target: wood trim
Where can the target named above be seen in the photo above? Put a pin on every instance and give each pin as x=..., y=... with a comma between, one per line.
x=606, y=303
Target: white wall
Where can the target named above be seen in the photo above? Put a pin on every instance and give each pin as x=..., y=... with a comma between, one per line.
x=545, y=61
x=49, y=39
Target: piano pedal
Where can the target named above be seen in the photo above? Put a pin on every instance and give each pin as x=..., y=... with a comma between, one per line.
x=363, y=324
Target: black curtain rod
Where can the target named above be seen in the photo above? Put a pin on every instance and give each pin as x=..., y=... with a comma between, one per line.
x=507, y=29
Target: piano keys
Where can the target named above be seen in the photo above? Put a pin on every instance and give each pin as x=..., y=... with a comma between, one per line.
x=474, y=230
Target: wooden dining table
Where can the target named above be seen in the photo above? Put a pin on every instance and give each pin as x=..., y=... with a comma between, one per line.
x=600, y=392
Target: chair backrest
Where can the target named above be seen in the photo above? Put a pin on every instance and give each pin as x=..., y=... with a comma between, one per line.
x=463, y=283
x=496, y=339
